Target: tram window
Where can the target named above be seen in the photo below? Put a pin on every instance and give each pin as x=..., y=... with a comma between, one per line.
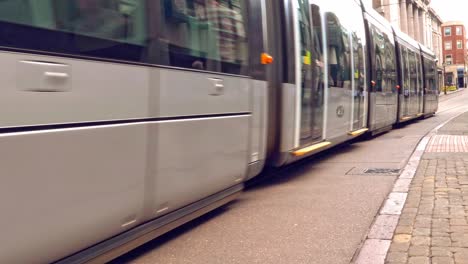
x=405, y=69
x=379, y=72
x=201, y=34
x=105, y=19
x=390, y=67
x=311, y=73
x=16, y=11
x=338, y=46
x=384, y=57
x=434, y=77
x=358, y=57
x=306, y=82
x=317, y=46
x=413, y=71
x=318, y=73
x=426, y=73
x=431, y=76
x=205, y=35
x=113, y=29
x=379, y=58
x=419, y=71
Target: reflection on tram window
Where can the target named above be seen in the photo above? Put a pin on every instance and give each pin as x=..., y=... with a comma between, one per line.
x=390, y=67
x=102, y=18
x=339, y=60
x=311, y=72
x=318, y=63
x=205, y=34
x=317, y=43
x=405, y=70
x=431, y=76
x=419, y=71
x=413, y=74
x=385, y=62
x=358, y=58
x=200, y=34
x=306, y=71
x=121, y=20
x=379, y=71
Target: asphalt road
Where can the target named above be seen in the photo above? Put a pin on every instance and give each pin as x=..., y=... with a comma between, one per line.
x=316, y=212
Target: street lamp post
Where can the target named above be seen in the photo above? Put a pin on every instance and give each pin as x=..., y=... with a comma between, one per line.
x=445, y=79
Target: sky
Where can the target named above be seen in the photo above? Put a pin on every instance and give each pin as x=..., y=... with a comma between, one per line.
x=450, y=10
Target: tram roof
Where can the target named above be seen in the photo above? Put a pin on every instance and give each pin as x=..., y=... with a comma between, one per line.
x=370, y=12
x=404, y=37
x=425, y=50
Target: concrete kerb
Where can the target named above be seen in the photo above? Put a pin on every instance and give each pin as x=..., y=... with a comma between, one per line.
x=379, y=238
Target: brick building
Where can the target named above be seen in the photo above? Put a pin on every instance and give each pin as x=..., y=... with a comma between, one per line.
x=454, y=52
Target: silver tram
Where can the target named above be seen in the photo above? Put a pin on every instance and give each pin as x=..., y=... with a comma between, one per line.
x=123, y=119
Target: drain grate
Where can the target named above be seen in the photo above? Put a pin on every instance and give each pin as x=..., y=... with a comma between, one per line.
x=374, y=171
x=382, y=171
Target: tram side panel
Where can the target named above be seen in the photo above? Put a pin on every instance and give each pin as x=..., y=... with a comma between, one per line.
x=95, y=145
x=197, y=157
x=75, y=186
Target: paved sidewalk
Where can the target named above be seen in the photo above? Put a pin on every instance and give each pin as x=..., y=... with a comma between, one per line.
x=433, y=226
x=451, y=92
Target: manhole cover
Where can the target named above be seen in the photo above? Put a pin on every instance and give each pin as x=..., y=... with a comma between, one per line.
x=381, y=171
x=374, y=171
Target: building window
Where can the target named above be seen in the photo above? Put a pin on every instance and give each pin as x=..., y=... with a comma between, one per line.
x=448, y=31
x=448, y=59
x=459, y=44
x=459, y=30
x=448, y=45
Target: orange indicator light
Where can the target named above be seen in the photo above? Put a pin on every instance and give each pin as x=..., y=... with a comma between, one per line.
x=266, y=58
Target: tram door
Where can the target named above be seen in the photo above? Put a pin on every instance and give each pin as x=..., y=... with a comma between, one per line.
x=420, y=89
x=415, y=95
x=430, y=95
x=404, y=102
x=329, y=70
x=309, y=73
x=359, y=102
x=345, y=44
x=412, y=100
